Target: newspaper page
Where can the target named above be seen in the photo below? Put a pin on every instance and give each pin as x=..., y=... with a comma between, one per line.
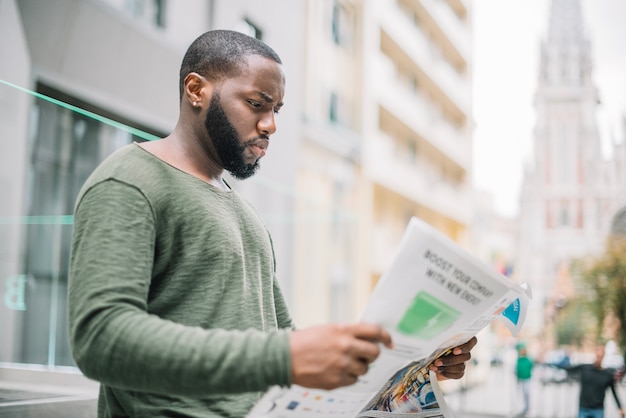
x=435, y=296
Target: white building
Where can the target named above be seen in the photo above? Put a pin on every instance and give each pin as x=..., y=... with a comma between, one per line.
x=572, y=191
x=417, y=118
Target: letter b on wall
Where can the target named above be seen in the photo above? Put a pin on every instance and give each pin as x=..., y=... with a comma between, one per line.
x=15, y=292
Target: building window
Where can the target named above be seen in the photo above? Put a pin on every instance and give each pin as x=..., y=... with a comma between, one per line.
x=249, y=28
x=66, y=145
x=564, y=216
x=549, y=224
x=412, y=150
x=152, y=11
x=342, y=25
x=339, y=110
x=580, y=215
x=413, y=83
x=159, y=14
x=333, y=108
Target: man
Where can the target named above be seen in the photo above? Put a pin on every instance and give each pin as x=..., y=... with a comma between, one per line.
x=594, y=381
x=174, y=303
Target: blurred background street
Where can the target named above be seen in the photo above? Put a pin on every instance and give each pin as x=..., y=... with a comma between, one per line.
x=499, y=396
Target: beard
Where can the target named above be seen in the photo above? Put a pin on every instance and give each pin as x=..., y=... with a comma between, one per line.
x=227, y=142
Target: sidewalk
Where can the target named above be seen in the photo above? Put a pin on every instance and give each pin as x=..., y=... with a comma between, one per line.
x=495, y=396
x=499, y=397
x=36, y=392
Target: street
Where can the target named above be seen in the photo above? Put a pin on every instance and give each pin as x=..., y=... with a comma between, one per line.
x=499, y=397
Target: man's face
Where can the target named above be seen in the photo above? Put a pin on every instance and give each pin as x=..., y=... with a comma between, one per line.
x=241, y=116
x=228, y=144
x=599, y=355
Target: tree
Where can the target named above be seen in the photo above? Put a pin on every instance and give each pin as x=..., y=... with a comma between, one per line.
x=573, y=323
x=605, y=279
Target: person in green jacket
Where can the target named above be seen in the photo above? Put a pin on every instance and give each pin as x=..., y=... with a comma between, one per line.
x=523, y=372
x=174, y=304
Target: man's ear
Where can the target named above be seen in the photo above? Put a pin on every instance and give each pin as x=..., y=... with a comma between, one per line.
x=197, y=90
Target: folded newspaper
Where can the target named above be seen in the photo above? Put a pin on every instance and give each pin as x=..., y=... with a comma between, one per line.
x=434, y=297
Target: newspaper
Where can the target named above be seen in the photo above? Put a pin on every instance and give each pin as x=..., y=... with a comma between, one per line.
x=434, y=297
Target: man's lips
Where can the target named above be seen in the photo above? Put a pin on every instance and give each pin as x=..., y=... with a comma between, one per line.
x=260, y=147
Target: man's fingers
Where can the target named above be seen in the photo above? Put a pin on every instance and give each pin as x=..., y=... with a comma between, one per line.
x=465, y=348
x=371, y=332
x=334, y=355
x=452, y=372
x=366, y=351
x=452, y=365
x=358, y=367
x=452, y=359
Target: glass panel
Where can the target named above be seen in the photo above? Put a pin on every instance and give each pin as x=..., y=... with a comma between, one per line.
x=43, y=172
x=47, y=150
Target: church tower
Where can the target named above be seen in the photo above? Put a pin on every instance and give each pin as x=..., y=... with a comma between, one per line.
x=567, y=198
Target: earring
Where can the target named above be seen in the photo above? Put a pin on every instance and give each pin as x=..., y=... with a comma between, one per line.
x=195, y=104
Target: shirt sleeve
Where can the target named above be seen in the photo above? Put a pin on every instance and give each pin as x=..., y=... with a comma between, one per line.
x=116, y=341
x=619, y=404
x=282, y=310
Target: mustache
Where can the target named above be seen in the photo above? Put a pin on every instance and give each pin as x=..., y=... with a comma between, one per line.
x=257, y=138
x=262, y=140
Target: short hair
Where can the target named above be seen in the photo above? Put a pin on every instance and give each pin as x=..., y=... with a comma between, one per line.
x=220, y=54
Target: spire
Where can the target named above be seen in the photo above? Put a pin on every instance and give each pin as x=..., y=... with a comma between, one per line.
x=566, y=23
x=566, y=54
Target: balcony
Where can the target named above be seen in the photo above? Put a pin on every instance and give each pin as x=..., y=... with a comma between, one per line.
x=456, y=31
x=419, y=115
x=407, y=39
x=421, y=183
x=335, y=138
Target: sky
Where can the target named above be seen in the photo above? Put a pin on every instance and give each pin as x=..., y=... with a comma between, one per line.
x=507, y=39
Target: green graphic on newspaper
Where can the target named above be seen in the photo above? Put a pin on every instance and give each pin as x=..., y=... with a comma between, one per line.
x=427, y=317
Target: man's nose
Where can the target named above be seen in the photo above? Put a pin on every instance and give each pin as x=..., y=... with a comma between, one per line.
x=267, y=125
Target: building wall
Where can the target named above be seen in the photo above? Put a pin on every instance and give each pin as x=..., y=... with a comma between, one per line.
x=376, y=128
x=571, y=192
x=55, y=55
x=99, y=54
x=14, y=109
x=417, y=119
x=330, y=162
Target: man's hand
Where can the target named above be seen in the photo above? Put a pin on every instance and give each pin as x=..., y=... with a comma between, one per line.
x=452, y=366
x=331, y=356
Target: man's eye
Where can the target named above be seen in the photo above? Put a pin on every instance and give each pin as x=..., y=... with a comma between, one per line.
x=254, y=104
x=276, y=111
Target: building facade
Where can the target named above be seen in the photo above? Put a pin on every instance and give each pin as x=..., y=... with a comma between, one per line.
x=572, y=189
x=376, y=128
x=417, y=119
x=79, y=79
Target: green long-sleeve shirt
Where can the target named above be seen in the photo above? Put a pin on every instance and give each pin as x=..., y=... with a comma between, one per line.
x=523, y=368
x=173, y=301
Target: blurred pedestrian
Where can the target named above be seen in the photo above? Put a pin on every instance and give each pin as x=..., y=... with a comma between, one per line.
x=594, y=381
x=523, y=372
